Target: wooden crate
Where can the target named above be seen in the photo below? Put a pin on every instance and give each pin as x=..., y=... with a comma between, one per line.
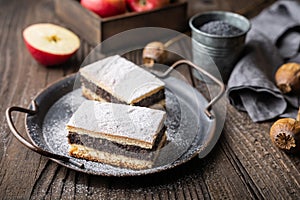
x=95, y=29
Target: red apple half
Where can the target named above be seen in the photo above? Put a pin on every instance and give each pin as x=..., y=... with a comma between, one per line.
x=105, y=8
x=50, y=44
x=144, y=5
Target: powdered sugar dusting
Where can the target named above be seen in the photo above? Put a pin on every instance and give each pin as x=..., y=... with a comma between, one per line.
x=54, y=132
x=182, y=131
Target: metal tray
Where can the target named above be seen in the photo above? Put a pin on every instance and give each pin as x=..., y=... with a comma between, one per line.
x=191, y=122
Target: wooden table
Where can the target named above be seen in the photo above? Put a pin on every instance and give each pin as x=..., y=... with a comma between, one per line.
x=243, y=164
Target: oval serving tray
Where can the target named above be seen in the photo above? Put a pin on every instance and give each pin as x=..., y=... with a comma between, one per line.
x=190, y=122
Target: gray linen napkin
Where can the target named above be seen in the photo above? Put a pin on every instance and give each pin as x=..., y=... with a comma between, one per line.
x=273, y=40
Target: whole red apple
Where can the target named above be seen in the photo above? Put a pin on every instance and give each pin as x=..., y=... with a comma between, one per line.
x=50, y=44
x=105, y=8
x=144, y=5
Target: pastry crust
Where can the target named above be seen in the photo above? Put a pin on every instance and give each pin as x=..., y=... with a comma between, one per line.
x=83, y=152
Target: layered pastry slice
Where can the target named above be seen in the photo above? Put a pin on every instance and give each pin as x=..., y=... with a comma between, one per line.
x=117, y=134
x=115, y=79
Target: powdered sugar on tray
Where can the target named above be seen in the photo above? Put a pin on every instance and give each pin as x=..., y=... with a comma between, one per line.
x=54, y=132
x=182, y=128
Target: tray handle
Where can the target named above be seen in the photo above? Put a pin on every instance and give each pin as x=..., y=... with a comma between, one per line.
x=217, y=81
x=30, y=145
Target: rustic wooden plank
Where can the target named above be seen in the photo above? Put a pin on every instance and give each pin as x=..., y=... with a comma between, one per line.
x=229, y=186
x=68, y=190
x=244, y=163
x=42, y=186
x=263, y=179
x=20, y=167
x=272, y=171
x=252, y=188
x=244, y=7
x=68, y=10
x=198, y=6
x=221, y=179
x=253, y=10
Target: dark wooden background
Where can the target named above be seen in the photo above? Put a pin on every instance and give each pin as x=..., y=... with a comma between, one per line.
x=243, y=165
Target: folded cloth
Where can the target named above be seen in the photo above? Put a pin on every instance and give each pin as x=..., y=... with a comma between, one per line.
x=273, y=40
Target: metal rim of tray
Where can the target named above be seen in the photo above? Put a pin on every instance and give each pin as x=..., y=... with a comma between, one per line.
x=78, y=166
